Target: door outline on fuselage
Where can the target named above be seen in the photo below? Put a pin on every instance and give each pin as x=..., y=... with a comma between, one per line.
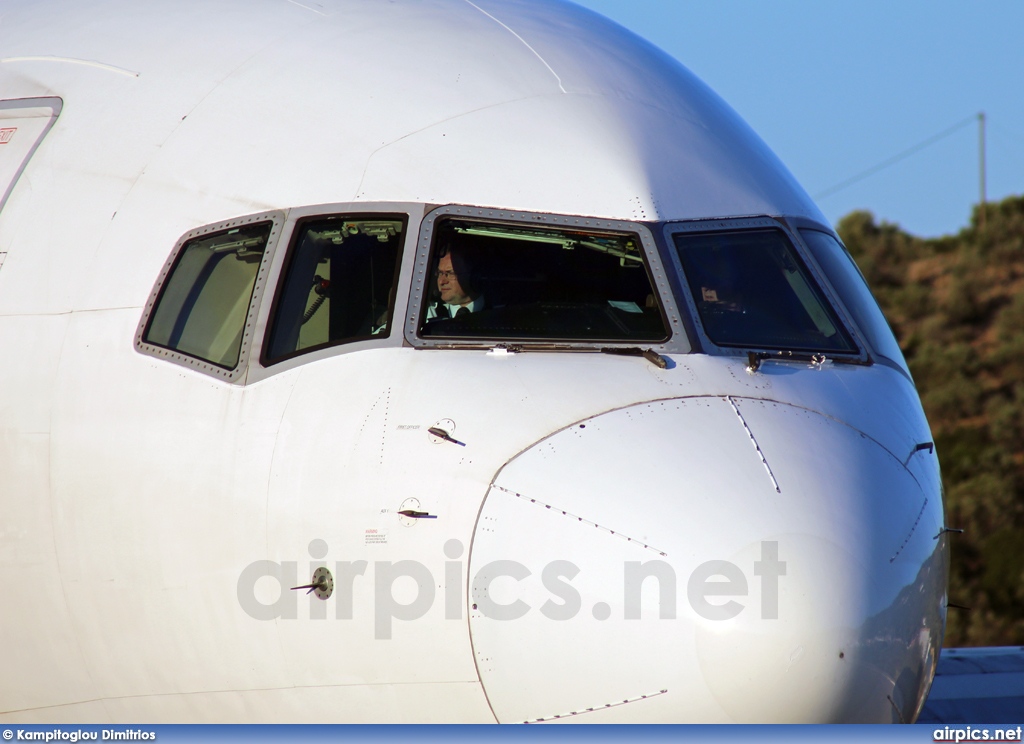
x=25, y=137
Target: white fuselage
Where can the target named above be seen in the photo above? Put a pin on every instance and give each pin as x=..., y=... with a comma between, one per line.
x=155, y=515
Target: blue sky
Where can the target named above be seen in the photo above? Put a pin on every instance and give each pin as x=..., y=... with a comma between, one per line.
x=836, y=88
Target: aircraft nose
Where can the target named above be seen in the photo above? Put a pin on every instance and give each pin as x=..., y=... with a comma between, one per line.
x=706, y=559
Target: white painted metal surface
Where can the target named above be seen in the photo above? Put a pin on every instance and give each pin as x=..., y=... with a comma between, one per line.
x=23, y=124
x=152, y=512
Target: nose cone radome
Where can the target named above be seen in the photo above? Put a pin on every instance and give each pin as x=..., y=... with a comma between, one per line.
x=706, y=559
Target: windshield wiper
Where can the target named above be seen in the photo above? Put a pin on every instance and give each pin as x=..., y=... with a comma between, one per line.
x=817, y=359
x=649, y=354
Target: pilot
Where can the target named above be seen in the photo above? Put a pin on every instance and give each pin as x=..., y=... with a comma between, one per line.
x=458, y=296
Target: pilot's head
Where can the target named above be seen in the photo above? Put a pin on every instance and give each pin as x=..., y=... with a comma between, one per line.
x=454, y=278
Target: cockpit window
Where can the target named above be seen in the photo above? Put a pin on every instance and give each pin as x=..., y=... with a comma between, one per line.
x=204, y=303
x=752, y=291
x=538, y=283
x=853, y=290
x=338, y=284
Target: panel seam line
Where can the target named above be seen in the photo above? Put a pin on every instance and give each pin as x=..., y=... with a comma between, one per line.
x=757, y=447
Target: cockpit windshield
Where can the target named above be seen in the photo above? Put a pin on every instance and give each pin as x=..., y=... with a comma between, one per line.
x=339, y=283
x=202, y=307
x=752, y=291
x=538, y=282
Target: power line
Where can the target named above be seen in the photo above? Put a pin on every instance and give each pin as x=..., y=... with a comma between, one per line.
x=895, y=158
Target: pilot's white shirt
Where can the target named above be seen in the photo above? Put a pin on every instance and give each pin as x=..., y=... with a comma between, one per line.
x=474, y=307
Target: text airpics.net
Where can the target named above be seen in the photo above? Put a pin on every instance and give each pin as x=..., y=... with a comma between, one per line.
x=969, y=733
x=722, y=580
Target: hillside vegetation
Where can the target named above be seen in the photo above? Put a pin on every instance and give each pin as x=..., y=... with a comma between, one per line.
x=956, y=304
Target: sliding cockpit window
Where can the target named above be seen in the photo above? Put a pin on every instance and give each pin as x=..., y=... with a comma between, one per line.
x=495, y=281
x=338, y=284
x=853, y=291
x=203, y=305
x=752, y=291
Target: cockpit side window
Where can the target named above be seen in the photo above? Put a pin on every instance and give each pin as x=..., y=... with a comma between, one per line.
x=534, y=282
x=202, y=308
x=852, y=289
x=338, y=284
x=752, y=291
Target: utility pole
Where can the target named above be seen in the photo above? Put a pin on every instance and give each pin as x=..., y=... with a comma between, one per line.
x=981, y=167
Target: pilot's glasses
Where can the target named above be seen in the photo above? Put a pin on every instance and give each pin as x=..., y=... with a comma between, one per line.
x=438, y=274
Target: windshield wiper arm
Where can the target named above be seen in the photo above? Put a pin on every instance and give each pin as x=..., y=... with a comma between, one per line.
x=817, y=359
x=649, y=354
